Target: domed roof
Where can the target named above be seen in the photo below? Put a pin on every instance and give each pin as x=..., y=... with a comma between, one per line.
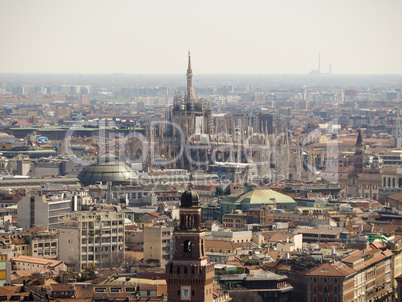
x=189, y=199
x=108, y=169
x=255, y=197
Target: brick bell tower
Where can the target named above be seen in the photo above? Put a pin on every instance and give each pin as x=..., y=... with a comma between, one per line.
x=189, y=276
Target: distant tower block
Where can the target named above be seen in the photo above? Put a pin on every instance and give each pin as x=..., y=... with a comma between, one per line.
x=84, y=99
x=398, y=133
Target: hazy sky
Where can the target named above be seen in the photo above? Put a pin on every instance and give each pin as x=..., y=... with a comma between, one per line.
x=224, y=36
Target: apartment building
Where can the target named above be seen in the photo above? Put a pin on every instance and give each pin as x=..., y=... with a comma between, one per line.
x=365, y=275
x=158, y=244
x=92, y=238
x=43, y=209
x=18, y=244
x=44, y=244
x=5, y=268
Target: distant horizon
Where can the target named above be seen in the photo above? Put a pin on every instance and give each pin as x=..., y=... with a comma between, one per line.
x=203, y=74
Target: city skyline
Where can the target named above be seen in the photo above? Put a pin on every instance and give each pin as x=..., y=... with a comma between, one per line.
x=228, y=37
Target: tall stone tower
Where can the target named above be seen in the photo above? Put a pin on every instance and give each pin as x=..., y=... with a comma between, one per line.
x=360, y=148
x=189, y=276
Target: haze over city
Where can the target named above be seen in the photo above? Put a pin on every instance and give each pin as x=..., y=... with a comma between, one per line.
x=227, y=37
x=205, y=151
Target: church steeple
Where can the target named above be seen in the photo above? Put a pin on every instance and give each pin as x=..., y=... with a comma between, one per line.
x=359, y=141
x=189, y=74
x=360, y=148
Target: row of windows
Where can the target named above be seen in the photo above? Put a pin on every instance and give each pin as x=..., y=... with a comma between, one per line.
x=325, y=299
x=46, y=253
x=325, y=290
x=325, y=280
x=46, y=244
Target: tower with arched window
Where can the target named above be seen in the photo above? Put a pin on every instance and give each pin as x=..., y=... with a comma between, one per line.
x=189, y=276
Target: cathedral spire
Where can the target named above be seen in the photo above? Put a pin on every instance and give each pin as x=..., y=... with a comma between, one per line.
x=189, y=74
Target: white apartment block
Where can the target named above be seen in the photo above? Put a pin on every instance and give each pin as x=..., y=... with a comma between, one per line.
x=92, y=238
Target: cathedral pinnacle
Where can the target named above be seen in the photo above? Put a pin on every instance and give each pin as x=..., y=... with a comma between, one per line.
x=189, y=91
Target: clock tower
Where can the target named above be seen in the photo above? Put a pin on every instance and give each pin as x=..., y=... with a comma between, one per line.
x=189, y=276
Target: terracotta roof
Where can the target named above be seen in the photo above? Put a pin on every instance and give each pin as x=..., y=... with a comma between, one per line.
x=62, y=287
x=10, y=291
x=41, y=261
x=396, y=197
x=329, y=270
x=214, y=244
x=249, y=244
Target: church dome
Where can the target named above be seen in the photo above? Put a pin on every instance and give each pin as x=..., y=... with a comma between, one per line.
x=189, y=198
x=107, y=169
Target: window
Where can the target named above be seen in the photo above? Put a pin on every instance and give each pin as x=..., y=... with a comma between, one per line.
x=188, y=246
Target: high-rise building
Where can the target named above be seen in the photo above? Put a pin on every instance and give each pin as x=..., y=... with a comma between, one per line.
x=92, y=239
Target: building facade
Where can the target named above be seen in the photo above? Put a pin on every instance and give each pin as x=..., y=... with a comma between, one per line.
x=92, y=239
x=43, y=209
x=158, y=244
